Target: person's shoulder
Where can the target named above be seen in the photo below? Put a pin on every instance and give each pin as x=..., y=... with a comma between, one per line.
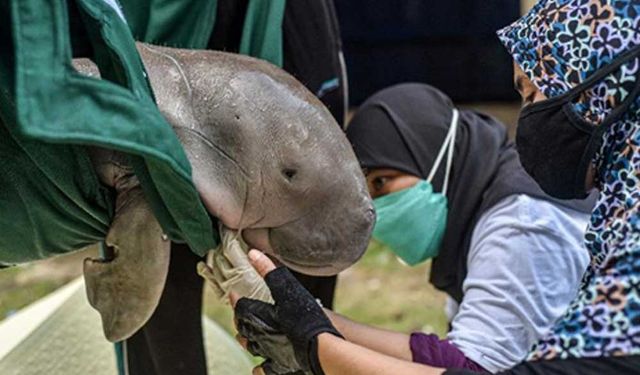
x=522, y=210
x=522, y=218
x=520, y=228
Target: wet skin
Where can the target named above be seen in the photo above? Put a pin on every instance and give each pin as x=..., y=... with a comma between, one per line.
x=268, y=159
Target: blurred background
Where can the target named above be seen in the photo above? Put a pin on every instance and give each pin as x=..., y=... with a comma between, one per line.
x=449, y=44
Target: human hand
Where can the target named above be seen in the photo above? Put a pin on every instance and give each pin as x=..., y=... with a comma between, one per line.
x=295, y=313
x=228, y=269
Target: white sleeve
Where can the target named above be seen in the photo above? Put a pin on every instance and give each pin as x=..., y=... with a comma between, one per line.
x=525, y=263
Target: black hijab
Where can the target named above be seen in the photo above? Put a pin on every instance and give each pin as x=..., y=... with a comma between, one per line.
x=404, y=126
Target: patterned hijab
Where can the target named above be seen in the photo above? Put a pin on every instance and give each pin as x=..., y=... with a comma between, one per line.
x=559, y=44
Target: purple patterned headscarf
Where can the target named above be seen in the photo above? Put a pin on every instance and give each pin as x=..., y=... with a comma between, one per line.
x=559, y=44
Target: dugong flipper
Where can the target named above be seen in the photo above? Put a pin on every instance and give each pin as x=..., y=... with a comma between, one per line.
x=127, y=289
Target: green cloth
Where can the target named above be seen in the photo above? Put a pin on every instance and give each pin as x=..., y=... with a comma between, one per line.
x=183, y=24
x=189, y=24
x=262, y=32
x=51, y=201
x=44, y=209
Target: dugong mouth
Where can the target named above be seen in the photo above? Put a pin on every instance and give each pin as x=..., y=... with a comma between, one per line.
x=259, y=238
x=311, y=269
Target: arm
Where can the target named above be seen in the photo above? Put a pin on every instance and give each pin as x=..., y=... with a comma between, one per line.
x=421, y=348
x=512, y=292
x=393, y=344
x=338, y=356
x=316, y=344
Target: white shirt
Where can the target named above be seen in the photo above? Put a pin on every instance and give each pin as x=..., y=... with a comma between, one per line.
x=525, y=264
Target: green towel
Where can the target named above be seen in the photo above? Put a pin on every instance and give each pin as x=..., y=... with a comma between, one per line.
x=51, y=201
x=262, y=32
x=180, y=24
x=189, y=24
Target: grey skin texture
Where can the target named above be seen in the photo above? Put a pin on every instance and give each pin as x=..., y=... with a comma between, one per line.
x=268, y=159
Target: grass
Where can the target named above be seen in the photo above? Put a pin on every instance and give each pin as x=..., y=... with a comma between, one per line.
x=381, y=291
x=21, y=285
x=378, y=290
x=16, y=291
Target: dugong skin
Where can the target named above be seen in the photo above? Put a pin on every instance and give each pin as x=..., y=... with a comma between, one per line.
x=268, y=159
x=267, y=156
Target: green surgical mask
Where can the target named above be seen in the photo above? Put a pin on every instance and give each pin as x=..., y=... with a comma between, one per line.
x=412, y=222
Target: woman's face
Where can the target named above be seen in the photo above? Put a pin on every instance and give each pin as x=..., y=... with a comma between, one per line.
x=384, y=181
x=530, y=94
x=528, y=91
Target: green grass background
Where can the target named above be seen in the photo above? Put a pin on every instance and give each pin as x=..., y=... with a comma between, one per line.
x=378, y=290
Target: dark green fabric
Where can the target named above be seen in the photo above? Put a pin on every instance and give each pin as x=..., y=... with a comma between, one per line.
x=183, y=24
x=262, y=32
x=189, y=24
x=43, y=210
x=50, y=110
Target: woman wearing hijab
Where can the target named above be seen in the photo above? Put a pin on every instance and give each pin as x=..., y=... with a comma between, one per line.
x=447, y=186
x=577, y=67
x=578, y=70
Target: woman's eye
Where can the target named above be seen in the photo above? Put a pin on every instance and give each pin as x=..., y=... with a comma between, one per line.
x=528, y=100
x=379, y=182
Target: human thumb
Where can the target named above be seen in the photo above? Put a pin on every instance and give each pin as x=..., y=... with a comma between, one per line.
x=261, y=262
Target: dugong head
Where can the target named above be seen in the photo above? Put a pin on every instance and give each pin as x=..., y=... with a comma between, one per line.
x=268, y=158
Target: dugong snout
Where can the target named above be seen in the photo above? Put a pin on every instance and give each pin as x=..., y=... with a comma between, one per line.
x=323, y=250
x=321, y=244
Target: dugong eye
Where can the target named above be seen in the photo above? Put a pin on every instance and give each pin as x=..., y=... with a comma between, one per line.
x=289, y=173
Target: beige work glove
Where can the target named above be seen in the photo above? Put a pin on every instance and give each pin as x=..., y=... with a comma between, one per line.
x=228, y=269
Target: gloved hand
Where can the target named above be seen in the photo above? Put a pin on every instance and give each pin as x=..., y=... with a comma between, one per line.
x=228, y=269
x=262, y=337
x=295, y=313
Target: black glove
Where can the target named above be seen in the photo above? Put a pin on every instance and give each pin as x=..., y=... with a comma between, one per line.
x=265, y=339
x=295, y=313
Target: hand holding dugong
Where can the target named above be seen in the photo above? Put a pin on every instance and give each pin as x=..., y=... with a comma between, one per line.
x=228, y=269
x=268, y=160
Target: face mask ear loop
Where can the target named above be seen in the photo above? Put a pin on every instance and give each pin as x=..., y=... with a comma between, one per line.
x=454, y=127
x=443, y=148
